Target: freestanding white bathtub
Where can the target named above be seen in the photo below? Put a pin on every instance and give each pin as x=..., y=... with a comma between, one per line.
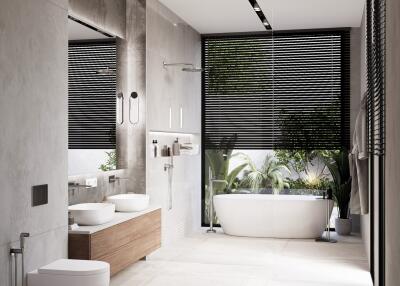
x=278, y=216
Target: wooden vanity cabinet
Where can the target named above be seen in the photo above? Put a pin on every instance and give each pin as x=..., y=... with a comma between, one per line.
x=121, y=244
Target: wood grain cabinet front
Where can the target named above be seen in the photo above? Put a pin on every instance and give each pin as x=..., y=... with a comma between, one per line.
x=121, y=244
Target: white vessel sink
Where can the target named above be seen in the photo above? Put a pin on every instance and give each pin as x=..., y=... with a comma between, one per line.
x=92, y=213
x=129, y=202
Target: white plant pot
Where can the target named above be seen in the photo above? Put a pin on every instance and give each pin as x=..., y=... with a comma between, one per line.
x=343, y=226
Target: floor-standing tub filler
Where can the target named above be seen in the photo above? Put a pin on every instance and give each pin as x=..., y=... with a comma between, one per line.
x=277, y=216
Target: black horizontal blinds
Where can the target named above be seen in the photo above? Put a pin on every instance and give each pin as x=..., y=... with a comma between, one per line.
x=376, y=47
x=91, y=95
x=289, y=91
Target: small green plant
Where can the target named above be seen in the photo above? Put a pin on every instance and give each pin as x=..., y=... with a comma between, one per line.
x=111, y=162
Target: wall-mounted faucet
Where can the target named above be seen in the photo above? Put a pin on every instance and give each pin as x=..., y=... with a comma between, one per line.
x=77, y=185
x=113, y=179
x=169, y=167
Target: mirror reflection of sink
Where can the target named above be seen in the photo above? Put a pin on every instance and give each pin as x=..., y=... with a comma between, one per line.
x=129, y=202
x=92, y=213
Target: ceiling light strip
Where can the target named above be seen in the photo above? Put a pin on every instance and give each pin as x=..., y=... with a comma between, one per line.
x=260, y=14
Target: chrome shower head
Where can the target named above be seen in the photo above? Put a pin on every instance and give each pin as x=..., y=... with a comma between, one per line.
x=186, y=67
x=106, y=71
x=192, y=69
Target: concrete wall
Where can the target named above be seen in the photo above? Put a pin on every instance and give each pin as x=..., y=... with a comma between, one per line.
x=33, y=133
x=392, y=165
x=136, y=82
x=170, y=39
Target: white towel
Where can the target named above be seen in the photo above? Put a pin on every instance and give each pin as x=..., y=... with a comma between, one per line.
x=358, y=159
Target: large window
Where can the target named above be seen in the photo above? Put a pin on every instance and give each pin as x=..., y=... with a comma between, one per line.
x=273, y=107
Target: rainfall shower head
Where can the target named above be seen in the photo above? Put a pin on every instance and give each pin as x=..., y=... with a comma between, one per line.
x=192, y=69
x=106, y=71
x=186, y=67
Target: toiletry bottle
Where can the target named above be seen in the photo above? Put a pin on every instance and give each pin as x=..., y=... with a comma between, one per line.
x=152, y=149
x=71, y=219
x=176, y=148
x=164, y=151
x=156, y=148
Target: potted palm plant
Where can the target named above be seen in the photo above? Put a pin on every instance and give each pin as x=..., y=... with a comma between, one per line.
x=338, y=165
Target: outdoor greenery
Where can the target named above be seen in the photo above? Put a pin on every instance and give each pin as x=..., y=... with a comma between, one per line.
x=283, y=171
x=270, y=175
x=111, y=162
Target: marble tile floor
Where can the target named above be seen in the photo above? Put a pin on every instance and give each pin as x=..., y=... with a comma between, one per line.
x=219, y=260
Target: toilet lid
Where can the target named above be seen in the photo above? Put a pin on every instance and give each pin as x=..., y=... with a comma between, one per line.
x=74, y=267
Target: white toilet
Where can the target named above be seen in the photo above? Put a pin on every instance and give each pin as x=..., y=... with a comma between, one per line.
x=70, y=272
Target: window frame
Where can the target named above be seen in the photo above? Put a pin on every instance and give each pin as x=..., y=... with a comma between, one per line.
x=345, y=84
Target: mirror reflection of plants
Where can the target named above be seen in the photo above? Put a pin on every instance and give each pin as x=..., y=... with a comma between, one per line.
x=269, y=175
x=111, y=162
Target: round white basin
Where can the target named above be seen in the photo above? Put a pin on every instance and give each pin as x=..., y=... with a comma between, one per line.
x=92, y=213
x=129, y=202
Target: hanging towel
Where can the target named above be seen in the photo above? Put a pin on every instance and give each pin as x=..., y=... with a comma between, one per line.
x=358, y=160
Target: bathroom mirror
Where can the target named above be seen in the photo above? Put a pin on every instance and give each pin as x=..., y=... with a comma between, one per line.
x=93, y=113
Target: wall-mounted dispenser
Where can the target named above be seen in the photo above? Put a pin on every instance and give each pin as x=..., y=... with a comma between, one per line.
x=134, y=118
x=155, y=149
x=120, y=108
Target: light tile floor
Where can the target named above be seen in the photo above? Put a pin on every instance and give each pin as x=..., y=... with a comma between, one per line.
x=219, y=260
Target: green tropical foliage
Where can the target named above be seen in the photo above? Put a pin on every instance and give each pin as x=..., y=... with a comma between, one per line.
x=302, y=161
x=302, y=184
x=217, y=161
x=270, y=175
x=338, y=164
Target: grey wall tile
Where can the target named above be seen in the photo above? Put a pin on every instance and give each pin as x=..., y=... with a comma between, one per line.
x=33, y=116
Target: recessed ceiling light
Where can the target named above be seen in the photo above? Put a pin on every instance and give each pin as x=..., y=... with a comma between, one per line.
x=256, y=7
x=260, y=14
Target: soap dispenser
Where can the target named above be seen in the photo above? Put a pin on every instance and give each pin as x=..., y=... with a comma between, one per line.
x=176, y=148
x=154, y=149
